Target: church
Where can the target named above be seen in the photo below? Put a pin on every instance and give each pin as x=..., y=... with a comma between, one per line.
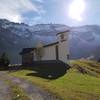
x=52, y=52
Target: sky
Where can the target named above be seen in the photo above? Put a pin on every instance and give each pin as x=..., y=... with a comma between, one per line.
x=69, y=12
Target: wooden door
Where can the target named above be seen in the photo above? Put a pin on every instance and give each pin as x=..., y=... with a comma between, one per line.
x=57, y=52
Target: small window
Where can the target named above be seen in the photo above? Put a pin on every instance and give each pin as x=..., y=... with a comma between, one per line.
x=62, y=36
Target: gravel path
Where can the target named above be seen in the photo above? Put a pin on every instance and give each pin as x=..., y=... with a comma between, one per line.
x=4, y=90
x=33, y=91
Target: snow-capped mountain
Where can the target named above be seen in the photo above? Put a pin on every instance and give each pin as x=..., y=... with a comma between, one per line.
x=84, y=40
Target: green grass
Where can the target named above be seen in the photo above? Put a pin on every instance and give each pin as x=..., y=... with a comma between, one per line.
x=90, y=67
x=18, y=93
x=74, y=85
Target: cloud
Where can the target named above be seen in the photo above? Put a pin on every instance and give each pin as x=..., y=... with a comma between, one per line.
x=33, y=21
x=41, y=1
x=13, y=9
x=36, y=20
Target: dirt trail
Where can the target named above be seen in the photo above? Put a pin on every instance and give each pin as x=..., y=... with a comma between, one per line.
x=33, y=91
x=4, y=90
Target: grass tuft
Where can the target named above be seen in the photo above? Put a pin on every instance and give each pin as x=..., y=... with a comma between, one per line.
x=17, y=92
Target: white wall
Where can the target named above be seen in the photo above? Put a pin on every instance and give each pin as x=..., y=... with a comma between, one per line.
x=49, y=53
x=63, y=47
x=63, y=51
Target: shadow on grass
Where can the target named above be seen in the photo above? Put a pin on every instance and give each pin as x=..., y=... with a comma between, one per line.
x=49, y=70
x=43, y=69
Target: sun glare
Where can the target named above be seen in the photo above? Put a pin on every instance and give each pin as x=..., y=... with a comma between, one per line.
x=76, y=9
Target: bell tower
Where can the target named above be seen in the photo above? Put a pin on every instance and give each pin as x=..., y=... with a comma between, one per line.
x=63, y=45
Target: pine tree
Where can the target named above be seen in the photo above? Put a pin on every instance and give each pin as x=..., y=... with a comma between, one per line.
x=4, y=60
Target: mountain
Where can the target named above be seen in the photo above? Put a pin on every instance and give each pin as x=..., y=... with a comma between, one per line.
x=84, y=40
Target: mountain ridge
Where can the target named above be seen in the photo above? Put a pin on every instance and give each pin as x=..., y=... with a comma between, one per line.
x=84, y=40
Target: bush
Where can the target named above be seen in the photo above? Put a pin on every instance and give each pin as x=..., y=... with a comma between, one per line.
x=4, y=60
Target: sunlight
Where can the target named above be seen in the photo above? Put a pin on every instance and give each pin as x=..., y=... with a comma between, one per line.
x=76, y=9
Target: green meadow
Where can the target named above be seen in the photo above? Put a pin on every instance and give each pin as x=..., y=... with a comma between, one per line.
x=81, y=81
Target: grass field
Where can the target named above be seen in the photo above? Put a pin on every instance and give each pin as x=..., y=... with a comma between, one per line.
x=81, y=82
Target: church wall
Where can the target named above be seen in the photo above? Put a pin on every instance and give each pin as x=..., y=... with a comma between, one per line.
x=49, y=53
x=63, y=46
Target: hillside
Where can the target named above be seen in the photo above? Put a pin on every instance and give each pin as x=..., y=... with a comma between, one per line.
x=91, y=68
x=81, y=82
x=84, y=41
